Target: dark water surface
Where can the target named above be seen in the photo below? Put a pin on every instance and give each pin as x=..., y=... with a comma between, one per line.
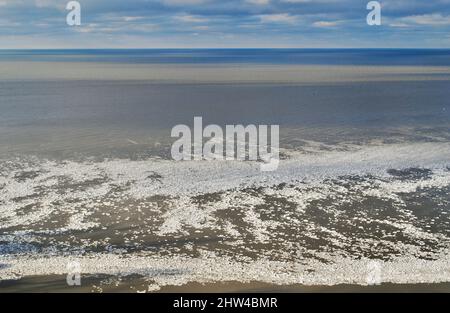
x=416, y=57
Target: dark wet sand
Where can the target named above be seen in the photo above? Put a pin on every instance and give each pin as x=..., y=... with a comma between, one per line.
x=57, y=284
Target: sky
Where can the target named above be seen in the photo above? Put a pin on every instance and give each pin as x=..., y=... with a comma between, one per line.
x=41, y=24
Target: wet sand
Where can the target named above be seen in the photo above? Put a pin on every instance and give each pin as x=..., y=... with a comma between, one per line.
x=57, y=283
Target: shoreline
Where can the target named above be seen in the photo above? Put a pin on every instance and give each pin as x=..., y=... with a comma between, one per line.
x=57, y=283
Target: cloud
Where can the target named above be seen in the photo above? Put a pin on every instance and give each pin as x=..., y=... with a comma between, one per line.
x=285, y=18
x=399, y=25
x=132, y=18
x=243, y=22
x=326, y=23
x=201, y=27
x=183, y=2
x=191, y=19
x=435, y=19
x=258, y=2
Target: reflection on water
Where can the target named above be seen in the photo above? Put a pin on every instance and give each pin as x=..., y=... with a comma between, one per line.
x=111, y=117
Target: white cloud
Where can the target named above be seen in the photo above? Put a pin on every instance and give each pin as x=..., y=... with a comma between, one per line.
x=132, y=18
x=191, y=18
x=278, y=18
x=325, y=23
x=183, y=2
x=399, y=25
x=258, y=2
x=435, y=19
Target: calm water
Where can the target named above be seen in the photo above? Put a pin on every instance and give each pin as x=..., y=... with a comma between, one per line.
x=417, y=57
x=86, y=174
x=45, y=117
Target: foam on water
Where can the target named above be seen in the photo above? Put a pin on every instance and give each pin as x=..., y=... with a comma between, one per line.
x=319, y=220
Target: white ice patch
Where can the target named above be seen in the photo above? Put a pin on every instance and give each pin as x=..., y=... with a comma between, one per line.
x=219, y=221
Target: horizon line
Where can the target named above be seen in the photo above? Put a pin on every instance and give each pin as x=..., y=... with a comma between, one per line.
x=231, y=48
